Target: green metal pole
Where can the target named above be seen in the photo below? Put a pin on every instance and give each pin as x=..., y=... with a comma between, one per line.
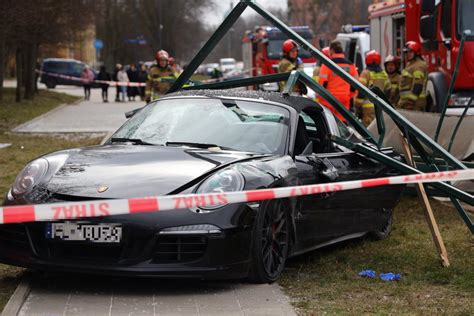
x=292, y=80
x=236, y=83
x=451, y=141
x=451, y=86
x=359, y=127
x=356, y=84
x=209, y=46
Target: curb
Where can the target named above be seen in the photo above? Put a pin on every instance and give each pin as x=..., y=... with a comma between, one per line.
x=18, y=297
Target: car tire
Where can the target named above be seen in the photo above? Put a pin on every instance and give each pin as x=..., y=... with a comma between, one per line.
x=386, y=228
x=50, y=83
x=270, y=242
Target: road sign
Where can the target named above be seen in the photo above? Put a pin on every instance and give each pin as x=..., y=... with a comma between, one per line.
x=98, y=44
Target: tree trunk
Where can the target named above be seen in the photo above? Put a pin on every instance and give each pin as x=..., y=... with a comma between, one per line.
x=19, y=73
x=2, y=64
x=30, y=65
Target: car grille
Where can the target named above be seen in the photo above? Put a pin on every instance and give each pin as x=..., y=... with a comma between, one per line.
x=14, y=235
x=85, y=252
x=179, y=249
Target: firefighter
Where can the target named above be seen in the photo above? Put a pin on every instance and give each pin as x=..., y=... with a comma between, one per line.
x=339, y=88
x=159, y=79
x=412, y=85
x=317, y=69
x=289, y=62
x=373, y=75
x=392, y=68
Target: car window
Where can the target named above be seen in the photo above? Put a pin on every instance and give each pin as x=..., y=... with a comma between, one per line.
x=56, y=67
x=240, y=125
x=344, y=131
x=308, y=122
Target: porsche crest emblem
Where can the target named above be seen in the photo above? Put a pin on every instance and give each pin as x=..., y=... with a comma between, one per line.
x=102, y=189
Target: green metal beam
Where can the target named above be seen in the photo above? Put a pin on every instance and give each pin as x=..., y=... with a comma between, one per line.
x=292, y=80
x=321, y=91
x=394, y=115
x=209, y=46
x=245, y=82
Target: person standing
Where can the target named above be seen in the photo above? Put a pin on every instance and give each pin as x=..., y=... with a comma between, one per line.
x=104, y=76
x=122, y=78
x=392, y=67
x=373, y=75
x=87, y=77
x=326, y=51
x=114, y=78
x=132, y=73
x=413, y=80
x=142, y=75
x=160, y=77
x=289, y=62
x=337, y=86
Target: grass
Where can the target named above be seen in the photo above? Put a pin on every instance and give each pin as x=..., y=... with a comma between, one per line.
x=23, y=149
x=326, y=281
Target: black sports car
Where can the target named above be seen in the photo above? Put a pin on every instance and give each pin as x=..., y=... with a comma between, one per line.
x=202, y=141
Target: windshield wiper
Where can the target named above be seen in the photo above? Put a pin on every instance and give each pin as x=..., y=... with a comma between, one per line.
x=135, y=141
x=197, y=145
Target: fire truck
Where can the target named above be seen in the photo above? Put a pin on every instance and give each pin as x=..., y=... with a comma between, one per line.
x=261, y=51
x=438, y=25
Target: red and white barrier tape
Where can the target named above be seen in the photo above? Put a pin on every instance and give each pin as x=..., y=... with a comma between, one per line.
x=76, y=210
x=110, y=83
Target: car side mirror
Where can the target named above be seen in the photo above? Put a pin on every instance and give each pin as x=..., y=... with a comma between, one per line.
x=131, y=113
x=325, y=168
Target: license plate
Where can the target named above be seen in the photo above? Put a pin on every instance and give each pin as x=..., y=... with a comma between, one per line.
x=96, y=233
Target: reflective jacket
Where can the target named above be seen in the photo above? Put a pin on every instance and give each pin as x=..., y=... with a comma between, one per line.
x=339, y=88
x=412, y=85
x=394, y=93
x=368, y=78
x=159, y=81
x=286, y=65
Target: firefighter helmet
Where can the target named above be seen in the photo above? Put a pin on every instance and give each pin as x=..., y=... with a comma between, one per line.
x=326, y=51
x=288, y=45
x=162, y=54
x=413, y=46
x=373, y=57
x=392, y=59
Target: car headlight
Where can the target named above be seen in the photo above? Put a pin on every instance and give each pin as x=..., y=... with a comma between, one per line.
x=223, y=181
x=29, y=176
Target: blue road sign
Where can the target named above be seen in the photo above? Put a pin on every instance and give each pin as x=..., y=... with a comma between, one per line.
x=98, y=44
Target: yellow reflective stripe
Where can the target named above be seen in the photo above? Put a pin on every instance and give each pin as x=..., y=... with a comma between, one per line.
x=363, y=80
x=417, y=74
x=408, y=96
x=406, y=73
x=367, y=105
x=378, y=75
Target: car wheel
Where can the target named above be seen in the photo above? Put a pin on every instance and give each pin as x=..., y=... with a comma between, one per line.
x=270, y=243
x=386, y=228
x=50, y=83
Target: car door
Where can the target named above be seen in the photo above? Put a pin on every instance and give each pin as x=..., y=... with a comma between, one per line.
x=320, y=217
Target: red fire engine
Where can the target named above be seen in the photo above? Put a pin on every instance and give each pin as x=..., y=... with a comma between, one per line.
x=261, y=49
x=438, y=25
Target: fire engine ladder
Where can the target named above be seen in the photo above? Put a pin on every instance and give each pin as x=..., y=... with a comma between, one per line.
x=418, y=140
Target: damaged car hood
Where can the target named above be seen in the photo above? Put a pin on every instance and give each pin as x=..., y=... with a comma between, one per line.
x=123, y=171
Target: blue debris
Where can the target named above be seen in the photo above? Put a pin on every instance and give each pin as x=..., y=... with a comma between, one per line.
x=390, y=276
x=367, y=273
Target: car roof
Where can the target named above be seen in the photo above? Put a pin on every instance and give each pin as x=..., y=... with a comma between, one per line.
x=296, y=102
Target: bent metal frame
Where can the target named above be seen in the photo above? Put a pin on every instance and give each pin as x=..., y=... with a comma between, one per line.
x=435, y=157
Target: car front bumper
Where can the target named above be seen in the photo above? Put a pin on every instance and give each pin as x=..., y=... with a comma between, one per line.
x=149, y=246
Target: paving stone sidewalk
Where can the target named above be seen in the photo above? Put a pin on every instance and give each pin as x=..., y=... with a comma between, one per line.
x=79, y=295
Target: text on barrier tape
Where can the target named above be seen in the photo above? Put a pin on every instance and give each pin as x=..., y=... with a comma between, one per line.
x=76, y=210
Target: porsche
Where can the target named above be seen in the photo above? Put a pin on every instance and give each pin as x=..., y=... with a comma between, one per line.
x=202, y=142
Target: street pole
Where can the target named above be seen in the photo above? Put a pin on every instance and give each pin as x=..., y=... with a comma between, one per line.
x=229, y=42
